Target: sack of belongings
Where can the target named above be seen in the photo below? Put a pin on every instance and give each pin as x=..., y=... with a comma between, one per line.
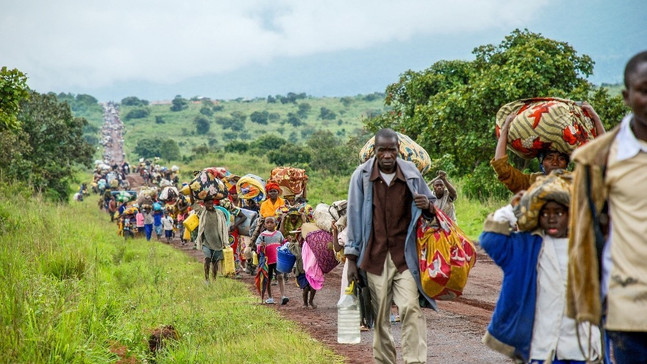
x=545, y=123
x=205, y=185
x=409, y=150
x=295, y=179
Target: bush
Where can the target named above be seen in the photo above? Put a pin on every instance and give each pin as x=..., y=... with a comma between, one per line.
x=138, y=113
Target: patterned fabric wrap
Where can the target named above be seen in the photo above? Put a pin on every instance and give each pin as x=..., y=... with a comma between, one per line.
x=320, y=242
x=409, y=150
x=445, y=255
x=207, y=186
x=554, y=187
x=293, y=178
x=545, y=123
x=251, y=187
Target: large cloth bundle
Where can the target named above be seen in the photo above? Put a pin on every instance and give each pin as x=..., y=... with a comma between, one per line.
x=545, y=123
x=554, y=187
x=445, y=256
x=251, y=187
x=294, y=179
x=409, y=150
x=325, y=214
x=205, y=185
x=320, y=242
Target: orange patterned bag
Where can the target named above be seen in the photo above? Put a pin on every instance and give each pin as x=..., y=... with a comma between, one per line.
x=445, y=255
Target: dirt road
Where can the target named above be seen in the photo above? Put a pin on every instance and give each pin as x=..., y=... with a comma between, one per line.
x=453, y=332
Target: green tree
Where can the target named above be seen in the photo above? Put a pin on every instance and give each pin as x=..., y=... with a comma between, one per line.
x=266, y=143
x=13, y=90
x=133, y=101
x=169, y=150
x=259, y=117
x=179, y=103
x=159, y=119
x=149, y=148
x=237, y=146
x=330, y=154
x=293, y=119
x=49, y=145
x=206, y=111
x=138, y=113
x=202, y=125
x=327, y=114
x=289, y=155
x=304, y=110
x=450, y=107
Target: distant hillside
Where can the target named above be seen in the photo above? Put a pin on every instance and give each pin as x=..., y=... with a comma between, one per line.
x=294, y=117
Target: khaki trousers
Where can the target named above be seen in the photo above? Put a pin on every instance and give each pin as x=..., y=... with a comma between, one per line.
x=402, y=289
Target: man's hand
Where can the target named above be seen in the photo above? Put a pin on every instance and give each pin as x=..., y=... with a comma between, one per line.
x=352, y=274
x=422, y=201
x=442, y=175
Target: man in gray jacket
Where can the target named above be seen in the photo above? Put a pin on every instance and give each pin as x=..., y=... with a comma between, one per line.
x=386, y=197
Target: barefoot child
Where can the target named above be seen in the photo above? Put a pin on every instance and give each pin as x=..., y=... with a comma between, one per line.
x=307, y=291
x=529, y=321
x=267, y=243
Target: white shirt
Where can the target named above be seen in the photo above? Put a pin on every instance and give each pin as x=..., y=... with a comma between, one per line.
x=167, y=223
x=553, y=333
x=387, y=177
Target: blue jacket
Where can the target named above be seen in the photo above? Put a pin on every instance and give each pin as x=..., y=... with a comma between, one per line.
x=517, y=253
x=360, y=216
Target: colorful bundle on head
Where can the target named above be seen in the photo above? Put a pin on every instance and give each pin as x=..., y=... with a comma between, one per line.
x=554, y=187
x=205, y=185
x=409, y=151
x=545, y=123
x=251, y=187
x=295, y=179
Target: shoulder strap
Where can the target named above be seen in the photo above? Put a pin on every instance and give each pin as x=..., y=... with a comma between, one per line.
x=599, y=237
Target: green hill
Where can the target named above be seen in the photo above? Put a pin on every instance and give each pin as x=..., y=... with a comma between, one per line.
x=246, y=120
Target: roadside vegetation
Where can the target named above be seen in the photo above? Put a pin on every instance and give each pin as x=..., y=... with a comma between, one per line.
x=73, y=292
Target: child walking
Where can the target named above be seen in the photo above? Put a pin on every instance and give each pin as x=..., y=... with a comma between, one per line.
x=267, y=243
x=308, y=293
x=167, y=224
x=529, y=321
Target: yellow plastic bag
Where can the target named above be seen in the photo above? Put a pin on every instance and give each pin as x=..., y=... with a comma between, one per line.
x=445, y=256
x=228, y=266
x=191, y=222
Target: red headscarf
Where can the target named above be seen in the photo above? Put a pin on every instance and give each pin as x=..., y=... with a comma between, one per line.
x=233, y=190
x=272, y=186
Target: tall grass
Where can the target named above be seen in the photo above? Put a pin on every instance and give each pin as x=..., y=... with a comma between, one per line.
x=72, y=291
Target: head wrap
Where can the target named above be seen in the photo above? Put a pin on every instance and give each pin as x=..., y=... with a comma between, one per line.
x=232, y=190
x=554, y=187
x=272, y=186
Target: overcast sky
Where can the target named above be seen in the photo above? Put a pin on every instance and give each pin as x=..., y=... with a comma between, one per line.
x=228, y=49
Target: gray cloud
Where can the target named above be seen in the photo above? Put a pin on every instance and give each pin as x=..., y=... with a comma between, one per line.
x=81, y=43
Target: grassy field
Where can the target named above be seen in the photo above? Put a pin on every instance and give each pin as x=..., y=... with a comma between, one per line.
x=74, y=292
